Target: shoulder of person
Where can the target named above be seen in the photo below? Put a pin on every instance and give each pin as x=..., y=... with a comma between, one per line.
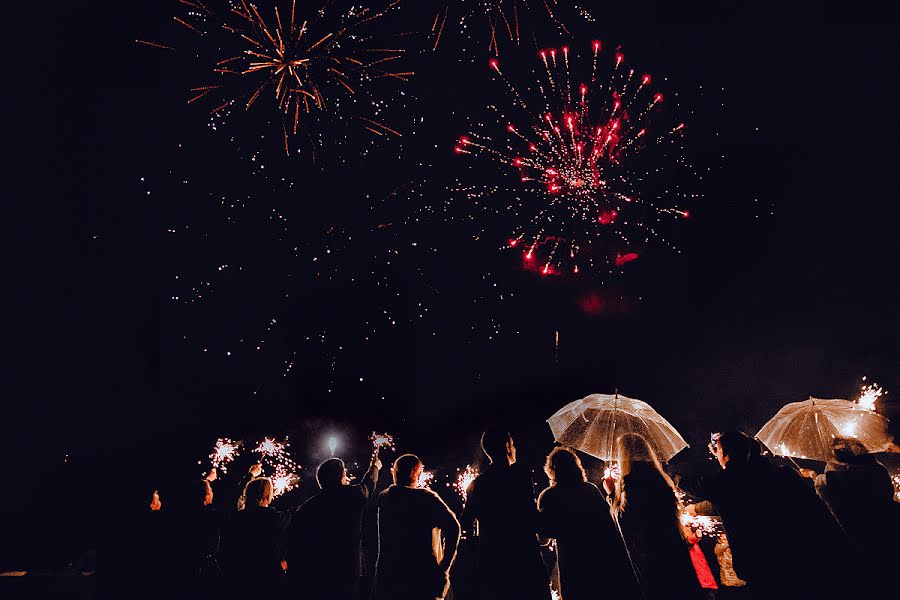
x=431, y=494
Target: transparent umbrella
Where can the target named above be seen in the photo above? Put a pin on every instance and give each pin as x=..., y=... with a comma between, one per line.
x=806, y=429
x=593, y=424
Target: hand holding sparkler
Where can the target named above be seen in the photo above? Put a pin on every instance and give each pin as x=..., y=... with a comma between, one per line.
x=379, y=441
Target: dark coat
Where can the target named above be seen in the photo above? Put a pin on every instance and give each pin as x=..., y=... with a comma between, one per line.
x=782, y=536
x=324, y=542
x=860, y=495
x=408, y=549
x=501, y=501
x=131, y=560
x=589, y=549
x=253, y=548
x=650, y=526
x=192, y=543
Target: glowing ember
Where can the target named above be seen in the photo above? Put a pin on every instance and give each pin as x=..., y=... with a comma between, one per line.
x=464, y=480
x=583, y=164
x=224, y=452
x=895, y=479
x=425, y=479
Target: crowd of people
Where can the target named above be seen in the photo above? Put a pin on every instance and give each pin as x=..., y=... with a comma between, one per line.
x=788, y=532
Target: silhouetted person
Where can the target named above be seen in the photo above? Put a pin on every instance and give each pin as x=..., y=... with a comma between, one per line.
x=131, y=558
x=591, y=557
x=858, y=491
x=501, y=502
x=324, y=553
x=252, y=473
x=805, y=557
x=192, y=537
x=252, y=544
x=417, y=538
x=646, y=509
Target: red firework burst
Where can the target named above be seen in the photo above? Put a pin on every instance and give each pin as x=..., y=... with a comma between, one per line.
x=589, y=167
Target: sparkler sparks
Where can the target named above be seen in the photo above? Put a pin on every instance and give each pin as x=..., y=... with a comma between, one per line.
x=869, y=394
x=588, y=166
x=224, y=452
x=277, y=456
x=464, y=480
x=701, y=525
x=306, y=63
x=381, y=440
x=425, y=479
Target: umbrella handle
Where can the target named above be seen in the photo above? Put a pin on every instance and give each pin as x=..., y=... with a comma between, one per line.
x=634, y=569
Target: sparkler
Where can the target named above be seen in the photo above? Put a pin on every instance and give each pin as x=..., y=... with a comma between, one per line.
x=381, y=440
x=305, y=63
x=869, y=394
x=425, y=479
x=277, y=456
x=702, y=525
x=611, y=472
x=464, y=480
x=588, y=165
x=224, y=452
x=504, y=18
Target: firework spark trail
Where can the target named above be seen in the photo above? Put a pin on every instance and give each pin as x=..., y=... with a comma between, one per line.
x=305, y=66
x=501, y=19
x=224, y=452
x=585, y=161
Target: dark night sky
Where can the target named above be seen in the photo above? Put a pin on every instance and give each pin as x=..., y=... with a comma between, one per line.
x=785, y=286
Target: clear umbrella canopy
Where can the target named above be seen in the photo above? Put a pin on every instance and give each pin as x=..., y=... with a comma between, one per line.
x=594, y=423
x=807, y=429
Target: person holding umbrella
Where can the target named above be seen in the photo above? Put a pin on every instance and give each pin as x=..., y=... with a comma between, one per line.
x=764, y=506
x=645, y=508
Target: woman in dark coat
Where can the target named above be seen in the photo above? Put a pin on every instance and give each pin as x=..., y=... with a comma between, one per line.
x=646, y=510
x=591, y=556
x=253, y=544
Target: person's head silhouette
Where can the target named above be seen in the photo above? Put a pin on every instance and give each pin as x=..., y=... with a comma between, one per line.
x=736, y=448
x=564, y=466
x=497, y=444
x=406, y=470
x=258, y=492
x=331, y=474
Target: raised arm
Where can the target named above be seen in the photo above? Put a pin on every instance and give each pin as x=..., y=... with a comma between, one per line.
x=370, y=479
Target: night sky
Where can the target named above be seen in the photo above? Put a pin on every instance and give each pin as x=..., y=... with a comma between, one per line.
x=121, y=197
